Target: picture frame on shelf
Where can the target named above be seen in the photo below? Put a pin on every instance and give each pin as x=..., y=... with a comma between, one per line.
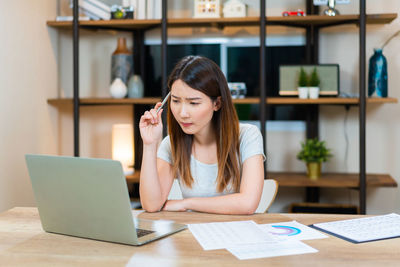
x=234, y=9
x=328, y=73
x=207, y=9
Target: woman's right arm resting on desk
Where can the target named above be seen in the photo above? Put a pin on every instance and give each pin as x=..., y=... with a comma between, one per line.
x=155, y=175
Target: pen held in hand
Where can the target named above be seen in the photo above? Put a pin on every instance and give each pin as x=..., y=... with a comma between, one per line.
x=163, y=102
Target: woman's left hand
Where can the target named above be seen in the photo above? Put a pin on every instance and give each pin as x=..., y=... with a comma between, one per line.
x=174, y=205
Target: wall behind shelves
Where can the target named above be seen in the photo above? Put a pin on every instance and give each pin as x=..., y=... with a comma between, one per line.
x=28, y=77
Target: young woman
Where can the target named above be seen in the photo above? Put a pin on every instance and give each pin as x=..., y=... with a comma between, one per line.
x=218, y=162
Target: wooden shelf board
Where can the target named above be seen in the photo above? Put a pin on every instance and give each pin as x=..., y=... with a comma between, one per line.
x=382, y=100
x=328, y=100
x=134, y=178
x=213, y=22
x=318, y=20
x=301, y=21
x=105, y=101
x=333, y=180
x=249, y=100
x=126, y=24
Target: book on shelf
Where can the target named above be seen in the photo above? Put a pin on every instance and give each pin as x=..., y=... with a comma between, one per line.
x=135, y=4
x=154, y=9
x=70, y=18
x=95, y=9
x=149, y=9
x=157, y=9
x=141, y=9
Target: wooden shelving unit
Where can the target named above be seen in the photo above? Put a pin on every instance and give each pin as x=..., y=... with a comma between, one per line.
x=322, y=21
x=311, y=23
x=332, y=180
x=249, y=100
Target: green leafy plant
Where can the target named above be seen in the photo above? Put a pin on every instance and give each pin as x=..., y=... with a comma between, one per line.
x=313, y=150
x=314, y=78
x=303, y=78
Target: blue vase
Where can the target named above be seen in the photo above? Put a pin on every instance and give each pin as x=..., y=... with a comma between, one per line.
x=121, y=67
x=377, y=75
x=135, y=87
x=121, y=62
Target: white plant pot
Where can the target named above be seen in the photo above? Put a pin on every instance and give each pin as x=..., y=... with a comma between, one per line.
x=313, y=92
x=118, y=89
x=303, y=92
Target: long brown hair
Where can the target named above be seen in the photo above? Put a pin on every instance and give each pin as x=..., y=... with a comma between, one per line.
x=204, y=75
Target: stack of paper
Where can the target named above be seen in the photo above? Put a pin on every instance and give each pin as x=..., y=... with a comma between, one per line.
x=248, y=240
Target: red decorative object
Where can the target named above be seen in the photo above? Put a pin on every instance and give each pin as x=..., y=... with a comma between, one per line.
x=293, y=13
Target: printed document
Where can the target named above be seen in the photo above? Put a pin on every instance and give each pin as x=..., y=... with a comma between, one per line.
x=270, y=249
x=219, y=235
x=364, y=229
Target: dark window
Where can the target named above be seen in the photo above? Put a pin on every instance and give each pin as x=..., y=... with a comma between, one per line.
x=152, y=78
x=243, y=65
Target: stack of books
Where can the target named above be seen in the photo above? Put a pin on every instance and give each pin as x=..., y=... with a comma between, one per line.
x=96, y=9
x=70, y=18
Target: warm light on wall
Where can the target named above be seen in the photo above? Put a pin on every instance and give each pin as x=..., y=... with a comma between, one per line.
x=122, y=146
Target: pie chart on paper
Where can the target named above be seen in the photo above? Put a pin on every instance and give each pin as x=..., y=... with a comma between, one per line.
x=292, y=230
x=284, y=230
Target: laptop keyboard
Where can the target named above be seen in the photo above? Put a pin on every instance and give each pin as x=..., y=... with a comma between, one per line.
x=142, y=232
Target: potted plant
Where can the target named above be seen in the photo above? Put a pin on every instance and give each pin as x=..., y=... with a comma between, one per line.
x=313, y=84
x=313, y=152
x=302, y=84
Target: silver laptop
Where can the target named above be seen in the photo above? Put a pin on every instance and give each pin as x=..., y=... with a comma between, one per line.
x=89, y=198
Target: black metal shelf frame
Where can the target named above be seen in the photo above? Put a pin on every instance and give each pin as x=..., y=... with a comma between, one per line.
x=312, y=37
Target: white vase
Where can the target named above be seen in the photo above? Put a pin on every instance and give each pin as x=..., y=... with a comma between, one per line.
x=135, y=87
x=118, y=88
x=303, y=92
x=313, y=92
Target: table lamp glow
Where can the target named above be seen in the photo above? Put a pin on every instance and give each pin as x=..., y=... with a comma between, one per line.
x=122, y=146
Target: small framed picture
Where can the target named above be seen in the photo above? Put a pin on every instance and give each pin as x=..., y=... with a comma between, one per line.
x=327, y=73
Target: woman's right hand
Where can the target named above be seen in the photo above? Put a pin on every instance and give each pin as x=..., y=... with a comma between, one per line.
x=150, y=126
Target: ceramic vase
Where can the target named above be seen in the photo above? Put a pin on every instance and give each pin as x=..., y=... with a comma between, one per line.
x=377, y=74
x=121, y=62
x=135, y=87
x=118, y=89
